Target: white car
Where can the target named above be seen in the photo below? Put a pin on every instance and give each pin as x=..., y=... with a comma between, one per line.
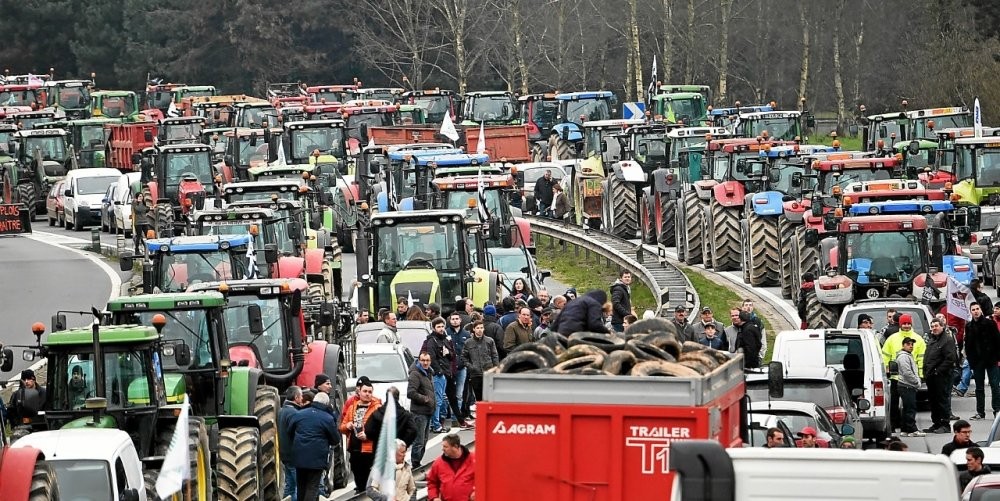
x=84, y=190
x=529, y=173
x=387, y=365
x=412, y=332
x=122, y=204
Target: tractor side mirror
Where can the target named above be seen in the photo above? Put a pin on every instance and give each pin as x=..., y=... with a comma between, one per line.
x=130, y=495
x=964, y=234
x=271, y=253
x=6, y=360
x=253, y=140
x=216, y=115
x=985, y=241
x=294, y=231
x=776, y=380
x=58, y=322
x=564, y=133
x=147, y=136
x=67, y=193
x=182, y=354
x=604, y=146
x=254, y=320
x=913, y=148
x=811, y=237
x=296, y=303
x=543, y=274
x=126, y=262
x=327, y=313
x=796, y=180
x=810, y=120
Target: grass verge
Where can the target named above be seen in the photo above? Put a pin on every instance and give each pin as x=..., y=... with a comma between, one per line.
x=720, y=299
x=584, y=274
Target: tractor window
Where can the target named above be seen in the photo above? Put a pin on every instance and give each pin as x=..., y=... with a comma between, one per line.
x=492, y=109
x=252, y=154
x=187, y=326
x=159, y=100
x=460, y=200
x=544, y=113
x=719, y=167
x=846, y=177
x=781, y=178
x=590, y=109
x=183, y=131
x=650, y=150
x=74, y=97
x=988, y=168
x=17, y=98
x=920, y=130
x=372, y=119
x=52, y=147
x=921, y=160
x=688, y=110
x=91, y=133
x=194, y=164
x=117, y=106
x=180, y=270
x=328, y=97
x=784, y=129
x=256, y=118
x=125, y=376
x=328, y=140
x=271, y=346
x=410, y=117
x=434, y=107
x=892, y=256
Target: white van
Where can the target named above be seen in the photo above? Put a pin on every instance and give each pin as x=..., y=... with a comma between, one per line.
x=864, y=369
x=122, y=208
x=85, y=189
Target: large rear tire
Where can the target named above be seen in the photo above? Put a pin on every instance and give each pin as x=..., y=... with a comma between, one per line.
x=819, y=315
x=764, y=266
x=667, y=237
x=648, y=221
x=163, y=220
x=564, y=150
x=689, y=230
x=341, y=468
x=198, y=455
x=621, y=206
x=43, y=483
x=786, y=234
x=265, y=407
x=26, y=195
x=725, y=237
x=806, y=258
x=238, y=471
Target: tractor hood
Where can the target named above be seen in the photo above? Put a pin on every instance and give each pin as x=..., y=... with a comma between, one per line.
x=422, y=285
x=88, y=422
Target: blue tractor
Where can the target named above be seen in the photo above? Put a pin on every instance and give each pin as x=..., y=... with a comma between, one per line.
x=405, y=181
x=575, y=108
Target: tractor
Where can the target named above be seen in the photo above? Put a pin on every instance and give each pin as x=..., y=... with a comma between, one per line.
x=765, y=120
x=427, y=256
x=538, y=113
x=306, y=137
x=179, y=130
x=41, y=157
x=177, y=179
x=910, y=125
x=627, y=190
x=359, y=115
x=489, y=108
x=268, y=230
x=682, y=104
x=255, y=115
x=884, y=249
x=331, y=93
x=117, y=104
x=25, y=97
x=246, y=149
x=69, y=99
x=406, y=175
x=172, y=264
x=89, y=138
x=238, y=407
x=435, y=103
x=576, y=108
x=390, y=94
x=112, y=377
x=411, y=114
x=976, y=166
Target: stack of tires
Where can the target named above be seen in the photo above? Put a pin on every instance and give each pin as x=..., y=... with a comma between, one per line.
x=647, y=348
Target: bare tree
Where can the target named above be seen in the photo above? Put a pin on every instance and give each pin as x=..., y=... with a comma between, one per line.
x=666, y=60
x=804, y=74
x=636, y=55
x=838, y=74
x=689, y=44
x=458, y=17
x=395, y=37
x=725, y=11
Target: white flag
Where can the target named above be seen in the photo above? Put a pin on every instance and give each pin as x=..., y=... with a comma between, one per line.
x=977, y=116
x=176, y=464
x=481, y=146
x=383, y=474
x=484, y=213
x=652, y=81
x=172, y=111
x=448, y=128
x=34, y=80
x=371, y=142
x=409, y=299
x=960, y=299
x=251, y=260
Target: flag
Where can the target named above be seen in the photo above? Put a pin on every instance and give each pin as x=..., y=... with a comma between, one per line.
x=34, y=80
x=484, y=213
x=371, y=142
x=977, y=116
x=176, y=463
x=959, y=299
x=251, y=260
x=652, y=81
x=931, y=294
x=409, y=299
x=481, y=145
x=383, y=474
x=448, y=128
x=172, y=111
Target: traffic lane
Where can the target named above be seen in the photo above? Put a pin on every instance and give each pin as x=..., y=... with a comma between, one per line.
x=41, y=278
x=964, y=408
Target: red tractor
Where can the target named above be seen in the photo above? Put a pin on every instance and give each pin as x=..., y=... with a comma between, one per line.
x=177, y=179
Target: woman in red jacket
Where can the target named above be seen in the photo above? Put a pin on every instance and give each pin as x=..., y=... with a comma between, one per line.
x=453, y=475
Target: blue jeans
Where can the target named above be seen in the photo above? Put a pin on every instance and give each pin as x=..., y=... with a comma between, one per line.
x=289, y=472
x=978, y=374
x=440, y=383
x=963, y=383
x=423, y=425
x=460, y=388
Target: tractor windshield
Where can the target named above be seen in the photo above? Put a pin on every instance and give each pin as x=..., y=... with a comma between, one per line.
x=781, y=175
x=92, y=137
x=255, y=196
x=778, y=128
x=411, y=117
x=328, y=97
x=74, y=98
x=51, y=147
x=491, y=109
x=87, y=479
x=689, y=110
x=922, y=131
x=195, y=164
x=543, y=114
x=258, y=117
x=178, y=271
x=17, y=97
x=829, y=179
x=266, y=234
x=434, y=107
x=252, y=154
x=461, y=200
x=589, y=109
x=328, y=140
x=180, y=131
x=380, y=119
x=419, y=246
x=159, y=100
x=987, y=166
x=895, y=257
x=270, y=347
x=118, y=106
x=651, y=150
x=126, y=383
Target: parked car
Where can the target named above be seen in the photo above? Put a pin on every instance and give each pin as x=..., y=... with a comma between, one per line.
x=529, y=173
x=517, y=262
x=760, y=423
x=983, y=488
x=856, y=353
x=412, y=332
x=83, y=192
x=123, y=204
x=823, y=386
x=989, y=219
x=798, y=415
x=387, y=365
x=107, y=208
x=876, y=308
x=54, y=208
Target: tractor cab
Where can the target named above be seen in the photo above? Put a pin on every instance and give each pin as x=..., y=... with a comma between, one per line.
x=323, y=111
x=366, y=114
x=390, y=94
x=685, y=104
x=330, y=93
x=779, y=125
x=185, y=91
x=177, y=130
x=406, y=179
x=269, y=232
x=42, y=157
x=306, y=137
x=485, y=198
x=411, y=114
x=435, y=103
x=159, y=96
x=254, y=116
x=117, y=104
x=28, y=120
x=69, y=99
x=576, y=108
x=174, y=264
x=687, y=146
x=26, y=96
x=217, y=139
x=923, y=123
x=976, y=166
x=178, y=179
x=89, y=139
x=539, y=113
x=247, y=149
x=490, y=108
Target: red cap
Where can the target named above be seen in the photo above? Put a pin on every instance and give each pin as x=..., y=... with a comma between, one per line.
x=808, y=430
x=905, y=319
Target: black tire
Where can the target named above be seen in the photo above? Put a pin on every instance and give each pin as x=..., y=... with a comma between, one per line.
x=651, y=325
x=198, y=448
x=703, y=359
x=619, y=363
x=341, y=470
x=538, y=152
x=819, y=315
x=645, y=351
x=763, y=251
x=344, y=239
x=237, y=471
x=606, y=342
x=648, y=221
x=663, y=368
x=43, y=483
x=621, y=206
x=149, y=480
x=679, y=237
x=664, y=341
x=725, y=237
x=522, y=361
x=689, y=230
x=695, y=366
x=786, y=233
x=557, y=342
x=692, y=347
x=265, y=408
x=565, y=150
x=317, y=295
x=591, y=361
x=163, y=220
x=579, y=350
x=668, y=208
x=706, y=231
x=545, y=351
x=25, y=194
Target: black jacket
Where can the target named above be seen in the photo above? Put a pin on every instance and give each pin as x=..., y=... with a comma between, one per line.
x=621, y=302
x=406, y=429
x=25, y=404
x=284, y=434
x=583, y=314
x=749, y=339
x=443, y=365
x=543, y=193
x=953, y=445
x=495, y=332
x=984, y=302
x=982, y=342
x=966, y=477
x=941, y=355
x=420, y=391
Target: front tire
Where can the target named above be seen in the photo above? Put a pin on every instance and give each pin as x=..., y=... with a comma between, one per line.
x=238, y=472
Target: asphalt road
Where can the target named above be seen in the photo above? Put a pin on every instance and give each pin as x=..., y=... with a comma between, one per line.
x=42, y=277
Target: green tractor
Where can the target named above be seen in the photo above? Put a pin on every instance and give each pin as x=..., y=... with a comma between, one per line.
x=977, y=170
x=115, y=104
x=113, y=377
x=239, y=407
x=686, y=104
x=89, y=139
x=41, y=157
x=69, y=99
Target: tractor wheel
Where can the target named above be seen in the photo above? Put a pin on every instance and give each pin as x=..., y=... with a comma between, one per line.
x=341, y=469
x=725, y=237
x=43, y=483
x=333, y=278
x=819, y=315
x=786, y=232
x=538, y=153
x=806, y=258
x=149, y=480
x=621, y=207
x=667, y=237
x=265, y=407
x=198, y=455
x=689, y=230
x=238, y=472
x=745, y=251
x=344, y=239
x=564, y=150
x=764, y=250
x=707, y=230
x=648, y=221
x=317, y=293
x=26, y=196
x=163, y=220
x=680, y=236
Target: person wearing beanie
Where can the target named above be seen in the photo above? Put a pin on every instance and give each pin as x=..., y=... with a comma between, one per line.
x=748, y=338
x=584, y=314
x=314, y=431
x=865, y=321
x=982, y=348
x=28, y=399
x=493, y=329
x=570, y=294
x=848, y=442
x=893, y=345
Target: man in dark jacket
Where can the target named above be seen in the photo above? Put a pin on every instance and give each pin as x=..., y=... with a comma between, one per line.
x=406, y=429
x=27, y=399
x=748, y=340
x=314, y=432
x=962, y=438
x=493, y=329
x=479, y=355
x=583, y=314
x=444, y=361
x=420, y=391
x=509, y=313
x=940, y=358
x=974, y=467
x=621, y=300
x=982, y=348
x=808, y=285
x=543, y=193
x=976, y=286
x=293, y=402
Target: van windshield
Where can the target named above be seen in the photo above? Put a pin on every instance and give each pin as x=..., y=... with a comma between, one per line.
x=920, y=324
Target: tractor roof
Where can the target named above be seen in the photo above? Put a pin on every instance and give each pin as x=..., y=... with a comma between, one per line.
x=957, y=132
x=181, y=120
x=740, y=110
x=235, y=212
x=418, y=216
x=771, y=114
x=577, y=96
x=420, y=147
x=672, y=89
x=330, y=88
x=548, y=96
x=901, y=207
x=454, y=159
x=360, y=110
x=196, y=87
x=868, y=224
x=987, y=141
x=259, y=286
x=33, y=114
x=112, y=93
x=91, y=121
x=196, y=243
x=40, y=133
x=184, y=148
x=489, y=93
x=678, y=95
x=616, y=123
x=698, y=132
x=164, y=301
x=68, y=83
x=315, y=124
x=428, y=92
x=368, y=90
x=109, y=334
x=472, y=181
x=407, y=154
x=856, y=163
x=282, y=184
x=936, y=112
x=924, y=144
x=791, y=150
x=253, y=104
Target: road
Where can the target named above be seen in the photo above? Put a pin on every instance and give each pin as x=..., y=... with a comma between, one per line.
x=42, y=277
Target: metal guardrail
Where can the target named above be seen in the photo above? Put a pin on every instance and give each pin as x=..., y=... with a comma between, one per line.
x=670, y=287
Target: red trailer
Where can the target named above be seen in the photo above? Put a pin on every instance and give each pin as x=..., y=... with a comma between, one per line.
x=405, y=134
x=125, y=140
x=503, y=142
x=597, y=438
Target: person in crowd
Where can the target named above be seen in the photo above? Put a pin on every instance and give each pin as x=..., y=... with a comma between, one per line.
x=561, y=205
x=453, y=475
x=27, y=399
x=898, y=445
x=543, y=297
x=940, y=360
x=748, y=339
x=444, y=362
x=363, y=317
x=479, y=355
x=293, y=402
x=402, y=306
x=406, y=487
x=314, y=432
x=388, y=333
x=519, y=332
x=748, y=307
x=464, y=308
x=775, y=438
x=570, y=294
x=962, y=438
x=621, y=300
x=680, y=323
x=544, y=323
x=416, y=313
x=432, y=310
x=982, y=348
x=459, y=336
x=710, y=338
x=520, y=290
x=406, y=429
x=583, y=314
x=907, y=386
x=807, y=439
x=359, y=444
x=865, y=321
x=893, y=344
x=629, y=320
x=509, y=313
x=493, y=329
x=976, y=286
x=423, y=403
x=891, y=325
x=323, y=384
x=142, y=221
x=544, y=189
x=847, y=443
x=536, y=313
x=696, y=330
x=974, y=467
